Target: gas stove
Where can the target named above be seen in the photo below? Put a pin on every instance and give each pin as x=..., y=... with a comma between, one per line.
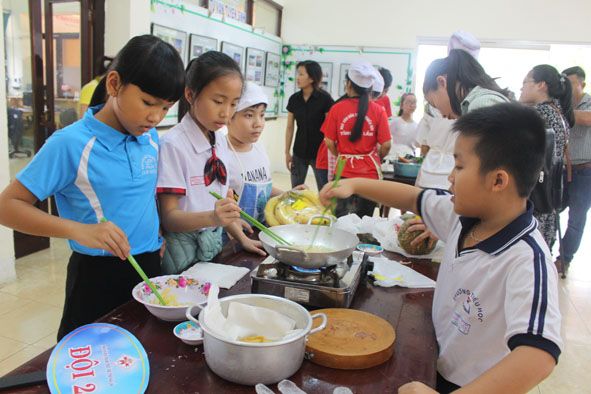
x=326, y=287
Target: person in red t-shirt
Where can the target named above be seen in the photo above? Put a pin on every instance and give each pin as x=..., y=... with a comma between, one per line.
x=383, y=99
x=353, y=129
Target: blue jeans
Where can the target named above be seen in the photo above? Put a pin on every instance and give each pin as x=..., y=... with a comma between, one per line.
x=579, y=201
x=299, y=171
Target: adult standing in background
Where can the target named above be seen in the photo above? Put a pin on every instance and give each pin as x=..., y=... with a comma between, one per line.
x=308, y=107
x=550, y=94
x=579, y=189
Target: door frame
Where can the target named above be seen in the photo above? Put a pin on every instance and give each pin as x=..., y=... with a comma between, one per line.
x=92, y=36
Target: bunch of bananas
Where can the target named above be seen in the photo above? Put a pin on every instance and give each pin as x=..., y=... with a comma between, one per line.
x=295, y=206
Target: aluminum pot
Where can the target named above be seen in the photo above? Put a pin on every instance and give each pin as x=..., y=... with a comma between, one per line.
x=341, y=242
x=252, y=363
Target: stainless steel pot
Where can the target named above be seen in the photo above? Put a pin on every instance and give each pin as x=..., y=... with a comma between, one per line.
x=252, y=363
x=342, y=243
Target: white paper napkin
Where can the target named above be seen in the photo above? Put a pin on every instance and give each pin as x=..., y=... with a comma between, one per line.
x=245, y=320
x=387, y=233
x=390, y=273
x=221, y=275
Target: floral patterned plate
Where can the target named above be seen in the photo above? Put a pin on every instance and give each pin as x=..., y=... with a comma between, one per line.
x=178, y=291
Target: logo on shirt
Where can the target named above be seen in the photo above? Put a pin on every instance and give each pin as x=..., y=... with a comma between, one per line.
x=149, y=165
x=367, y=133
x=256, y=175
x=197, y=180
x=468, y=309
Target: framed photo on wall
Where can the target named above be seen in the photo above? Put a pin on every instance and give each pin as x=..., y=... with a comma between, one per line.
x=343, y=78
x=272, y=70
x=255, y=65
x=201, y=44
x=234, y=51
x=326, y=76
x=176, y=38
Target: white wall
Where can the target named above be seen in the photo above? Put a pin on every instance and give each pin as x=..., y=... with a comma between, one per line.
x=125, y=19
x=396, y=23
x=7, y=272
x=400, y=24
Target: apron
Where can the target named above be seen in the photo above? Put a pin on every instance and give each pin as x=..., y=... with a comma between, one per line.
x=254, y=195
x=354, y=157
x=435, y=169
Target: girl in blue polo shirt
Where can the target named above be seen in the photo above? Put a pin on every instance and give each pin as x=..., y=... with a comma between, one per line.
x=103, y=166
x=193, y=161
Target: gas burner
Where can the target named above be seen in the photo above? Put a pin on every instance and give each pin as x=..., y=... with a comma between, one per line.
x=303, y=274
x=305, y=270
x=323, y=287
x=325, y=275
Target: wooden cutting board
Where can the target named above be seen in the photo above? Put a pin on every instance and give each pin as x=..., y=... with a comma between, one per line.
x=351, y=340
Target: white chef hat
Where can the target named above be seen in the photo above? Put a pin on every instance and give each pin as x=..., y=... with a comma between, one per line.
x=378, y=84
x=362, y=73
x=466, y=41
x=252, y=95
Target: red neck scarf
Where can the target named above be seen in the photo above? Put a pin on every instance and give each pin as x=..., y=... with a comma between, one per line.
x=214, y=167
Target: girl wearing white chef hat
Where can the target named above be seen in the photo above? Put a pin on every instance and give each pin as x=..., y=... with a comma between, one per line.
x=463, y=40
x=353, y=129
x=249, y=168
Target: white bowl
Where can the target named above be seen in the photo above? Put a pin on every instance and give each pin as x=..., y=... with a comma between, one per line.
x=188, y=291
x=370, y=248
x=189, y=332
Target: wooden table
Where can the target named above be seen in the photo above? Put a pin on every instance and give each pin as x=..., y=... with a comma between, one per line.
x=178, y=368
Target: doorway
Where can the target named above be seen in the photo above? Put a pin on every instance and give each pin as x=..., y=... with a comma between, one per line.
x=44, y=77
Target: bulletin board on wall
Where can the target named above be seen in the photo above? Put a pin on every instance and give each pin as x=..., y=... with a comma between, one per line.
x=205, y=30
x=335, y=61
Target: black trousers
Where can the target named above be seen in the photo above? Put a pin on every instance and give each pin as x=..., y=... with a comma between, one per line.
x=355, y=204
x=95, y=285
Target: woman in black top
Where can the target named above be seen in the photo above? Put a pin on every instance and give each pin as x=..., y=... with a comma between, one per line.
x=308, y=107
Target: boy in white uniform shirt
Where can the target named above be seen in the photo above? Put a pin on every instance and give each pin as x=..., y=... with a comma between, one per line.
x=495, y=308
x=249, y=168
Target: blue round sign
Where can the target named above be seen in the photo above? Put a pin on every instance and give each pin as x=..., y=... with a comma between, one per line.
x=98, y=358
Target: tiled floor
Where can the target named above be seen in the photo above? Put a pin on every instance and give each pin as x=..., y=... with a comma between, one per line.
x=30, y=309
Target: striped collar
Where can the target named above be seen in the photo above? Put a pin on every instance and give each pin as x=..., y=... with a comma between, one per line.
x=505, y=238
x=108, y=136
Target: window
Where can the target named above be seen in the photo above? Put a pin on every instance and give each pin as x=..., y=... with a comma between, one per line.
x=233, y=9
x=495, y=60
x=267, y=16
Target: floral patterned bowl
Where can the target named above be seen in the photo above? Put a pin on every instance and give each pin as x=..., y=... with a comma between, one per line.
x=178, y=291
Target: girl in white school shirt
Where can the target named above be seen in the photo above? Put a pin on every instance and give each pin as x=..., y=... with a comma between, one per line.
x=193, y=161
x=403, y=128
x=103, y=166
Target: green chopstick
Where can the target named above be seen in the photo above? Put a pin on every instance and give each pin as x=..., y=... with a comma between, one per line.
x=256, y=223
x=340, y=165
x=140, y=271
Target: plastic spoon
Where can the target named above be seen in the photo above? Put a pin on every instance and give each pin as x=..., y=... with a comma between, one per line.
x=140, y=271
